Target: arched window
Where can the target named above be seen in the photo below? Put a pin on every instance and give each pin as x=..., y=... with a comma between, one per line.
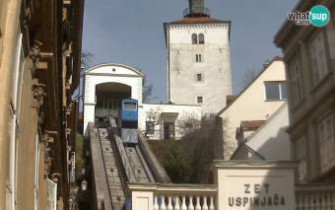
x=201, y=38
x=194, y=39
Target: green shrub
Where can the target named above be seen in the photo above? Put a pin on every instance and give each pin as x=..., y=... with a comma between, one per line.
x=80, y=161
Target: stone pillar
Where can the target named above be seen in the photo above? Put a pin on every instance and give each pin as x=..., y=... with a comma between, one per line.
x=142, y=196
x=142, y=200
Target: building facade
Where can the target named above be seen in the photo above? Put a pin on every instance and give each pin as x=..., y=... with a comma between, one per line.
x=169, y=121
x=269, y=142
x=107, y=84
x=257, y=102
x=309, y=55
x=39, y=70
x=199, y=67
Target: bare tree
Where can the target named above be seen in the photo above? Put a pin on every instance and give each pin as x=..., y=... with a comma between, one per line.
x=147, y=91
x=86, y=59
x=152, y=117
x=188, y=123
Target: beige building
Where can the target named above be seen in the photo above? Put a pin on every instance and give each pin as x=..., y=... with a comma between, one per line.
x=39, y=71
x=309, y=55
x=199, y=67
x=264, y=95
x=268, y=142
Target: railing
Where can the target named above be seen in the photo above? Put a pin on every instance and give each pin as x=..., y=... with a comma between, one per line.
x=173, y=196
x=157, y=170
x=196, y=12
x=315, y=197
x=125, y=161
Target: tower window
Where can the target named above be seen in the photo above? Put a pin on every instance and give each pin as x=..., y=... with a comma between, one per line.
x=198, y=58
x=194, y=39
x=199, y=99
x=201, y=38
x=199, y=77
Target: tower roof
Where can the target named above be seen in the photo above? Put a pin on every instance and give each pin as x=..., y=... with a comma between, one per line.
x=197, y=20
x=197, y=13
x=196, y=9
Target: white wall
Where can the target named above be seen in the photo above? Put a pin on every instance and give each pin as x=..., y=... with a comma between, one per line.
x=216, y=68
x=271, y=140
x=251, y=105
x=109, y=73
x=184, y=112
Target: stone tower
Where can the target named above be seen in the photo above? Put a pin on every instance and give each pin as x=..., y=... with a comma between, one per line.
x=199, y=70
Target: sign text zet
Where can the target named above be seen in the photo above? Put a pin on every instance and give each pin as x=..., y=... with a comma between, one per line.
x=257, y=195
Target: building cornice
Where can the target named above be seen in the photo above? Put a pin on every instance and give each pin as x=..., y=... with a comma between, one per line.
x=138, y=72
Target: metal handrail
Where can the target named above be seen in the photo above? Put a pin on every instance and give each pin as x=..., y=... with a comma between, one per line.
x=157, y=170
x=196, y=12
x=125, y=160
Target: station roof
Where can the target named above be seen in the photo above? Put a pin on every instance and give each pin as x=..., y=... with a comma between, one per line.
x=111, y=68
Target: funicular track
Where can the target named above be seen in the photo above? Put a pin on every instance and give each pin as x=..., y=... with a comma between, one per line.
x=140, y=169
x=114, y=175
x=122, y=164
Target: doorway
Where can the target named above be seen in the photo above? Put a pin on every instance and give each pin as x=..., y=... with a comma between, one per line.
x=169, y=131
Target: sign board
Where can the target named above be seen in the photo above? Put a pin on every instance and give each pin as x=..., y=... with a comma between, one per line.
x=255, y=186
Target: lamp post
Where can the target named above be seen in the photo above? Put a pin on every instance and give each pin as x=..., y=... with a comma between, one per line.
x=84, y=195
x=83, y=185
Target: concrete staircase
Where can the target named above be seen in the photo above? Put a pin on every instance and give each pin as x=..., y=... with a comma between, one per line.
x=115, y=177
x=115, y=165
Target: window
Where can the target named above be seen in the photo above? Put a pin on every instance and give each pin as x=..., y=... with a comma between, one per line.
x=169, y=130
x=198, y=58
x=130, y=106
x=275, y=91
x=150, y=127
x=296, y=82
x=201, y=38
x=194, y=39
x=325, y=135
x=199, y=99
x=199, y=77
x=198, y=39
x=317, y=59
x=301, y=156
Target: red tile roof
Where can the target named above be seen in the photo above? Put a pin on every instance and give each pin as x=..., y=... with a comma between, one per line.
x=230, y=99
x=252, y=124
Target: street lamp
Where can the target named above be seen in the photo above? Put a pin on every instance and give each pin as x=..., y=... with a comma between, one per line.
x=83, y=185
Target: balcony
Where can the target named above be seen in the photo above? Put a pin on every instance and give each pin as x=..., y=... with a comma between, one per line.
x=196, y=12
x=191, y=196
x=172, y=196
x=315, y=197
